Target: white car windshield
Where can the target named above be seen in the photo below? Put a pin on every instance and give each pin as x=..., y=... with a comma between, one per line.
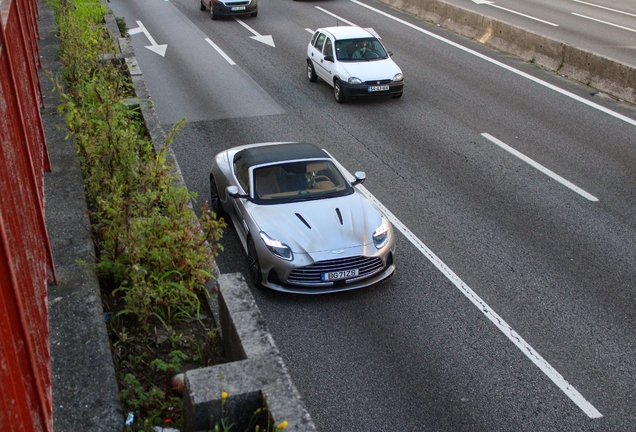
x=298, y=181
x=360, y=49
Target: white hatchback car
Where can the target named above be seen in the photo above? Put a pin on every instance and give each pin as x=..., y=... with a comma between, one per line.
x=354, y=62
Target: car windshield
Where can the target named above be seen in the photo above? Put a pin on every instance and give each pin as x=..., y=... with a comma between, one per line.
x=298, y=181
x=364, y=49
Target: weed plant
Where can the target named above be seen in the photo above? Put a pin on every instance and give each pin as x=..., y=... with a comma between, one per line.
x=153, y=255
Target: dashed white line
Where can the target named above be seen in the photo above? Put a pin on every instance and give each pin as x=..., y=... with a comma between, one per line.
x=540, y=167
x=336, y=16
x=490, y=3
x=604, y=7
x=502, y=65
x=220, y=51
x=512, y=335
x=605, y=22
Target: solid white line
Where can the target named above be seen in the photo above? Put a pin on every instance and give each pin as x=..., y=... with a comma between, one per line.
x=220, y=51
x=605, y=22
x=310, y=30
x=502, y=65
x=606, y=8
x=522, y=14
x=336, y=16
x=512, y=335
x=540, y=167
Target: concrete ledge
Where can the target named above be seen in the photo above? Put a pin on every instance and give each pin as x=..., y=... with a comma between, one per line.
x=602, y=73
x=255, y=377
x=83, y=383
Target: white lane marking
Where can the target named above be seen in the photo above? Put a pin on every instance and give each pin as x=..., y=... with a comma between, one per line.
x=369, y=29
x=154, y=46
x=605, y=22
x=220, y=51
x=604, y=7
x=540, y=167
x=266, y=39
x=336, y=16
x=512, y=335
x=491, y=3
x=310, y=30
x=502, y=65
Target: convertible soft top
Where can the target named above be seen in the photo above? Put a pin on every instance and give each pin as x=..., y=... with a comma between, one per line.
x=260, y=155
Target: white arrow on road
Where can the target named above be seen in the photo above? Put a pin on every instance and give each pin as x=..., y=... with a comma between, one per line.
x=266, y=39
x=159, y=49
x=492, y=3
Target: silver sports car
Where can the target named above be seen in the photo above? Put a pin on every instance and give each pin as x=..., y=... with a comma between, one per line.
x=303, y=225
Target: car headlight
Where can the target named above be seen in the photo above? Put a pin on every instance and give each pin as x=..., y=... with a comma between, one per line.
x=354, y=80
x=381, y=234
x=398, y=77
x=281, y=250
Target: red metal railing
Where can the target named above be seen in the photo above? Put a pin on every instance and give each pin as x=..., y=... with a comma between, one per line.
x=26, y=262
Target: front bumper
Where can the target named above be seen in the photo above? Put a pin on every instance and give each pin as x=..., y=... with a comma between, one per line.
x=362, y=90
x=231, y=8
x=280, y=278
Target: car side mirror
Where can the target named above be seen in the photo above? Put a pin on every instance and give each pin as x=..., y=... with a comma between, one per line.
x=390, y=53
x=360, y=178
x=329, y=58
x=234, y=192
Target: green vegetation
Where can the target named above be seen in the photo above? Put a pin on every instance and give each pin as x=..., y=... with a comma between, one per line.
x=153, y=255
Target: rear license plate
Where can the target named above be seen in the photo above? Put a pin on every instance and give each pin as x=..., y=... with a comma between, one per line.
x=238, y=8
x=343, y=274
x=378, y=88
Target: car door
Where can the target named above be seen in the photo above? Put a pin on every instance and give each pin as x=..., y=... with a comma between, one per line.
x=241, y=171
x=317, y=57
x=329, y=65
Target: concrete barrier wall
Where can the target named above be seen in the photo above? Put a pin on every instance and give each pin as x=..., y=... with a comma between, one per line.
x=604, y=74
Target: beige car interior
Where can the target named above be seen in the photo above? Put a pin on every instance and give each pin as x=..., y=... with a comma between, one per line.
x=275, y=182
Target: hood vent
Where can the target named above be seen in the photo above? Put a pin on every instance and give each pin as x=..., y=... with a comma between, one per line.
x=302, y=219
x=339, y=215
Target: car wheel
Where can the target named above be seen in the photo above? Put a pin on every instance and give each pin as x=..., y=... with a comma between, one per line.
x=254, y=14
x=337, y=91
x=397, y=96
x=311, y=73
x=203, y=6
x=255, y=266
x=215, y=204
x=213, y=15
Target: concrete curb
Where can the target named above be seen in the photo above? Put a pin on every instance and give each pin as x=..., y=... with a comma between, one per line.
x=255, y=376
x=602, y=73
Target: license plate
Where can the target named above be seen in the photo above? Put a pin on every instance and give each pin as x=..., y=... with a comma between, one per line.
x=343, y=274
x=378, y=88
x=238, y=8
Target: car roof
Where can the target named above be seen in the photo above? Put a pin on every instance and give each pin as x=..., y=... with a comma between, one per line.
x=347, y=32
x=266, y=154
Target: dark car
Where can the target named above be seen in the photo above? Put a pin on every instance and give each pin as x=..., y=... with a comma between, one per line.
x=220, y=8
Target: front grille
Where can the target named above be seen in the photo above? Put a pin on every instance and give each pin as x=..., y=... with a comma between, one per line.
x=237, y=3
x=386, y=81
x=311, y=274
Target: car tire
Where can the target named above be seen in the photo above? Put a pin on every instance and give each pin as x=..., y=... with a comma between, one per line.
x=397, y=96
x=215, y=203
x=337, y=91
x=202, y=6
x=213, y=15
x=254, y=14
x=311, y=72
x=255, y=267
